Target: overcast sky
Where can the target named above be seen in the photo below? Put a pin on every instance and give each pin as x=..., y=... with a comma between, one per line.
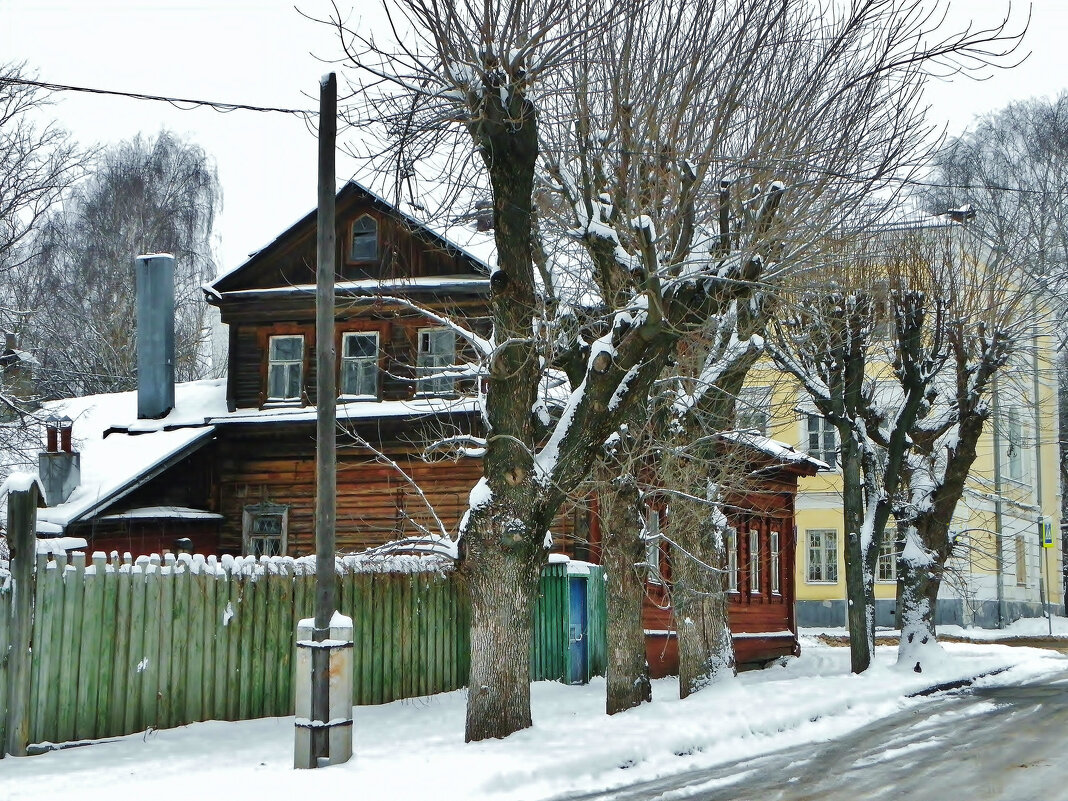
x=261, y=52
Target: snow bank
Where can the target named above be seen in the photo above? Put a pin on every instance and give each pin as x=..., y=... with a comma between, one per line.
x=415, y=749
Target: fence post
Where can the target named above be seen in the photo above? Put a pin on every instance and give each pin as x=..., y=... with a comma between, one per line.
x=21, y=528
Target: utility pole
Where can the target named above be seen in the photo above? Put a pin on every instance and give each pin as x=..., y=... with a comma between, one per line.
x=325, y=735
x=999, y=561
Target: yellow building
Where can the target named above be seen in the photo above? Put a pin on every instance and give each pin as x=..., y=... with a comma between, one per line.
x=1012, y=497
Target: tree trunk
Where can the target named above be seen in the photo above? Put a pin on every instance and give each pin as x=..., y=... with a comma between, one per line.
x=919, y=597
x=860, y=586
x=622, y=552
x=699, y=595
x=501, y=573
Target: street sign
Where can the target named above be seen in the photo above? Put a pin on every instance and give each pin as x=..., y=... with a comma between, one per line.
x=1047, y=532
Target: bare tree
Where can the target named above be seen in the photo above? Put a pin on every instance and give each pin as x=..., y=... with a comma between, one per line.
x=978, y=308
x=1007, y=177
x=77, y=293
x=833, y=341
x=806, y=110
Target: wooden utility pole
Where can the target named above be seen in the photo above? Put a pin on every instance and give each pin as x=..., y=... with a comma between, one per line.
x=21, y=528
x=326, y=412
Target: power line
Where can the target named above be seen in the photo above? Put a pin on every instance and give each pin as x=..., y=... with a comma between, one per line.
x=186, y=104
x=215, y=105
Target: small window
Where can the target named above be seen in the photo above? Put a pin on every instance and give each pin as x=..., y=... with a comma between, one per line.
x=732, y=561
x=364, y=239
x=753, y=409
x=822, y=555
x=754, y=562
x=264, y=527
x=285, y=367
x=652, y=546
x=1014, y=444
x=437, y=352
x=359, y=365
x=822, y=439
x=886, y=569
x=773, y=539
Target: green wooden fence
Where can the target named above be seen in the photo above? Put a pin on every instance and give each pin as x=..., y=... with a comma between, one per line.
x=121, y=646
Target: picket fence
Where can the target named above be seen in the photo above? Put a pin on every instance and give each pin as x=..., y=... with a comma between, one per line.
x=123, y=645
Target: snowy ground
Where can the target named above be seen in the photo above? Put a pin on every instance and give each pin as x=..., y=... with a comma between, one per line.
x=414, y=749
x=1026, y=627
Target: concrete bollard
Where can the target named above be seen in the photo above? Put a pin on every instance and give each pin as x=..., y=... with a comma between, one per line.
x=339, y=726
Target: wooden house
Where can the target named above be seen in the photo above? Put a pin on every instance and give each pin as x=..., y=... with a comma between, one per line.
x=230, y=468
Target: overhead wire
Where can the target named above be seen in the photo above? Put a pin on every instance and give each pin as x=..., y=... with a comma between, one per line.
x=226, y=107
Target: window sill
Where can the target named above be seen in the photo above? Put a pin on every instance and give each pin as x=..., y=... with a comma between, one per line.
x=275, y=403
x=357, y=398
x=822, y=582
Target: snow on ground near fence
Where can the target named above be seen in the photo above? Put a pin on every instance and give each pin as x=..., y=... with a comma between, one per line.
x=1024, y=627
x=414, y=749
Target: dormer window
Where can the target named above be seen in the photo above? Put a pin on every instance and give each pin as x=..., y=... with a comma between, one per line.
x=364, y=246
x=285, y=368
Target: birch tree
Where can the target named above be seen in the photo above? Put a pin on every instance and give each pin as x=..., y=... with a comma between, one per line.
x=806, y=110
x=144, y=195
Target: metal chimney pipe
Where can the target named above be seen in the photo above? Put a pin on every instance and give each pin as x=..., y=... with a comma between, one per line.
x=155, y=335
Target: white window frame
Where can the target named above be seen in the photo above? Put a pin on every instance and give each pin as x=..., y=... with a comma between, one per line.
x=732, y=560
x=361, y=362
x=753, y=409
x=365, y=235
x=430, y=361
x=652, y=546
x=754, y=562
x=249, y=536
x=286, y=367
x=775, y=565
x=819, y=427
x=824, y=568
x=886, y=564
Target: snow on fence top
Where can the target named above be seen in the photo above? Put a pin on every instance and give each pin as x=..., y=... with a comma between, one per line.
x=252, y=566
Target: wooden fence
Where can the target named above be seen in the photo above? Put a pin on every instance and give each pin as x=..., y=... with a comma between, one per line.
x=121, y=646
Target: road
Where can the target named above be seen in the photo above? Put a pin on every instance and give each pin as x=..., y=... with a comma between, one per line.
x=997, y=744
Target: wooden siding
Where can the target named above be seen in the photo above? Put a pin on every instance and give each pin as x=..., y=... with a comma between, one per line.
x=398, y=345
x=403, y=249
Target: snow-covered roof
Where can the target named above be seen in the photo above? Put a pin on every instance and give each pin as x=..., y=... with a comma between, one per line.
x=162, y=512
x=354, y=410
x=778, y=451
x=113, y=466
x=373, y=287
x=119, y=452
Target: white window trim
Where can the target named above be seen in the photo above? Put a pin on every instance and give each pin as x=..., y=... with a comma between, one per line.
x=285, y=364
x=652, y=546
x=774, y=561
x=824, y=563
x=342, y=359
x=821, y=453
x=421, y=380
x=754, y=562
x=889, y=540
x=250, y=512
x=732, y=560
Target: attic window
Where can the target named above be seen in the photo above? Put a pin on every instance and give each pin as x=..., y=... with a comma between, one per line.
x=364, y=239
